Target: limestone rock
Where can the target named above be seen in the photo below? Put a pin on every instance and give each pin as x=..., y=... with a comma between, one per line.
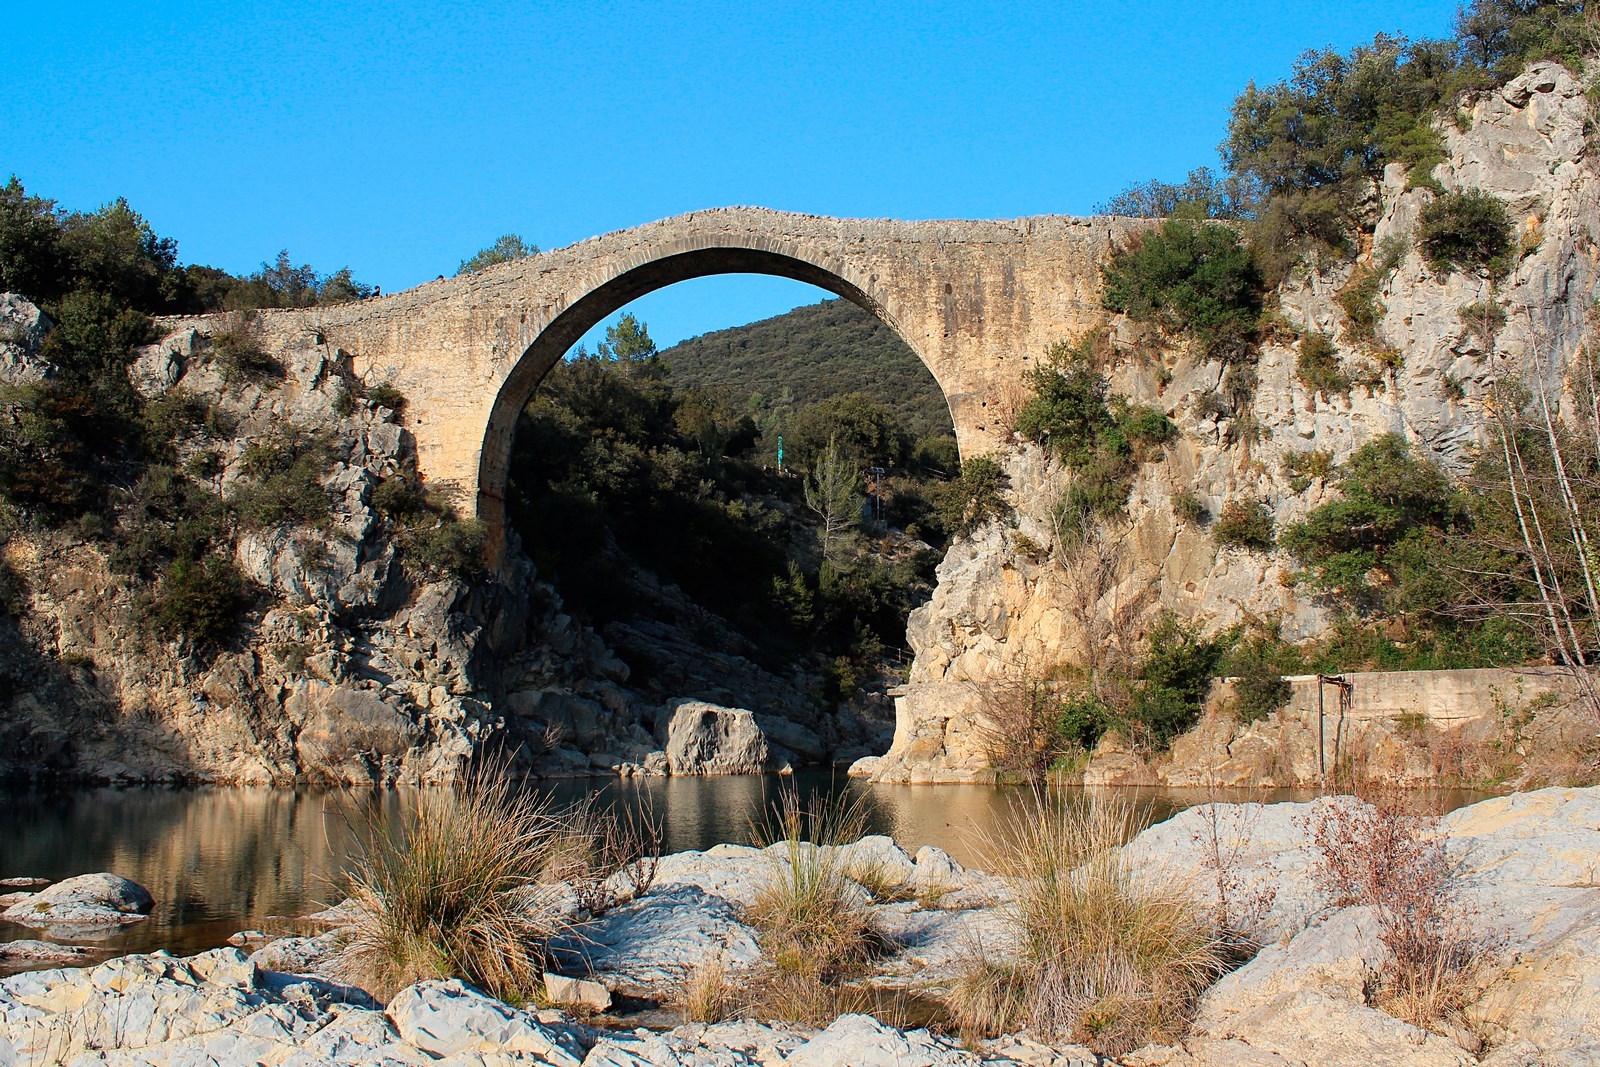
x=85, y=901
x=28, y=951
x=707, y=739
x=450, y=1018
x=862, y=1041
x=646, y=947
x=576, y=992
x=22, y=331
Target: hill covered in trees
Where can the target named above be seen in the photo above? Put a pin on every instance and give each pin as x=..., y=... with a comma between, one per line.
x=779, y=365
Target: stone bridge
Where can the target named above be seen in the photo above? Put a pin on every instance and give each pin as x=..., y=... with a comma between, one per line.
x=975, y=300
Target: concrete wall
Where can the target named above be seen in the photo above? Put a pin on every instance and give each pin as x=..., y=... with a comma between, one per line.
x=1442, y=697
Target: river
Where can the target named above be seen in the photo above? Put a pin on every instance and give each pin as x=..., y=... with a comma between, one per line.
x=223, y=859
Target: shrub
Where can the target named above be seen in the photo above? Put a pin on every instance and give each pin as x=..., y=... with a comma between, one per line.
x=1360, y=548
x=452, y=890
x=1189, y=276
x=1318, y=366
x=1031, y=723
x=1107, y=956
x=449, y=547
x=201, y=600
x=975, y=498
x=1245, y=523
x=1303, y=467
x=240, y=357
x=1483, y=320
x=1258, y=688
x=1172, y=681
x=284, y=480
x=1375, y=854
x=1362, y=308
x=1187, y=507
x=1463, y=231
x=1144, y=424
x=386, y=395
x=428, y=531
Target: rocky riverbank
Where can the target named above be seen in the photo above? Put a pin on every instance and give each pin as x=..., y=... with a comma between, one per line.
x=1525, y=878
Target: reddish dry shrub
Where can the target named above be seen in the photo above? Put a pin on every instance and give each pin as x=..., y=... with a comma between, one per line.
x=1379, y=855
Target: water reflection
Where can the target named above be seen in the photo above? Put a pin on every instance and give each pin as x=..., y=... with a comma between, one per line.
x=219, y=860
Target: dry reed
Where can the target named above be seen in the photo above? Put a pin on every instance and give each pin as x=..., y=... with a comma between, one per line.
x=453, y=889
x=1107, y=956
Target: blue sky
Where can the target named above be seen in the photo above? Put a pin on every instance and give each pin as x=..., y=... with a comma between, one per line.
x=400, y=138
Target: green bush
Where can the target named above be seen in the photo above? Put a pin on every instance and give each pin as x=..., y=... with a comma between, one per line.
x=240, y=358
x=1244, y=524
x=1189, y=276
x=1258, y=687
x=1303, y=467
x=1173, y=680
x=201, y=600
x=1463, y=231
x=448, y=547
x=1318, y=366
x=974, y=498
x=1188, y=507
x=1143, y=424
x=385, y=395
x=1372, y=546
x=1362, y=308
x=284, y=481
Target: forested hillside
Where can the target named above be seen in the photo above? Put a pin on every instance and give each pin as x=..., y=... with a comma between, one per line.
x=782, y=364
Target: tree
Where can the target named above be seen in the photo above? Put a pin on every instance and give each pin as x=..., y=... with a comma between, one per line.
x=1202, y=196
x=32, y=261
x=832, y=493
x=505, y=249
x=1356, y=548
x=628, y=341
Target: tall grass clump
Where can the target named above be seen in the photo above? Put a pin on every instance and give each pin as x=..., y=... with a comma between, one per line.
x=813, y=916
x=453, y=890
x=1108, y=956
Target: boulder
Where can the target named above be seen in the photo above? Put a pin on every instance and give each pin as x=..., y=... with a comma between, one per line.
x=88, y=900
x=862, y=1041
x=26, y=951
x=447, y=1018
x=646, y=947
x=709, y=739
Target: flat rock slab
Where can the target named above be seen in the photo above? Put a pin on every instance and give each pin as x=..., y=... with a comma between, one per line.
x=87, y=901
x=647, y=947
x=27, y=951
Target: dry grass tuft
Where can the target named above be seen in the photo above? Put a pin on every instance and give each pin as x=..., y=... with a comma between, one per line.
x=453, y=890
x=1108, y=957
x=606, y=855
x=814, y=917
x=709, y=995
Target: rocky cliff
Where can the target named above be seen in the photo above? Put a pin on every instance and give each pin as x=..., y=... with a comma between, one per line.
x=349, y=663
x=1008, y=605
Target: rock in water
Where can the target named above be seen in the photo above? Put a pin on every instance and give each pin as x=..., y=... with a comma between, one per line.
x=709, y=739
x=87, y=900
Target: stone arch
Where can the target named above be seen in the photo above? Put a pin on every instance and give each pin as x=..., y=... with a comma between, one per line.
x=592, y=301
